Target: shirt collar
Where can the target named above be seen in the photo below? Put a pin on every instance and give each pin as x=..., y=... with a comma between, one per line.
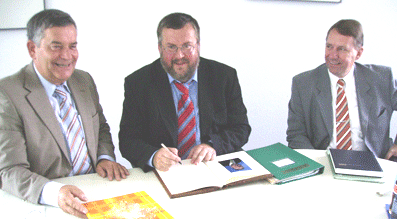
x=48, y=86
x=194, y=78
x=349, y=78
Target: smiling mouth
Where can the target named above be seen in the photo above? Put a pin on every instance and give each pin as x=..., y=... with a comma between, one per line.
x=62, y=65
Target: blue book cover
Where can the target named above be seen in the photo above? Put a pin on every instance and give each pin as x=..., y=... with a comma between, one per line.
x=361, y=163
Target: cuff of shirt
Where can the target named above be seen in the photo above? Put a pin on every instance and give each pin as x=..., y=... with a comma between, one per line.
x=106, y=157
x=150, y=161
x=49, y=195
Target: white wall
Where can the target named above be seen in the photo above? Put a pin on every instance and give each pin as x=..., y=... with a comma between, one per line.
x=268, y=42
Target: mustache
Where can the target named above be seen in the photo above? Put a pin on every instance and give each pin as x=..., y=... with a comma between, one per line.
x=180, y=61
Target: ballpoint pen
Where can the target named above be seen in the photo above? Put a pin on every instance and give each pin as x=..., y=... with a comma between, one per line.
x=162, y=145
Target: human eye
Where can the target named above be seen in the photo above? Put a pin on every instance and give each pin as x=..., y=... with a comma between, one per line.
x=342, y=49
x=172, y=48
x=328, y=46
x=56, y=46
x=73, y=46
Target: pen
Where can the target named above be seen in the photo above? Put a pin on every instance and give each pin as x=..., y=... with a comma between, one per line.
x=162, y=145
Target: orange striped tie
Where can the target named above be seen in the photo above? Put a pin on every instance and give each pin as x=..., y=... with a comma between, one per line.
x=74, y=133
x=343, y=132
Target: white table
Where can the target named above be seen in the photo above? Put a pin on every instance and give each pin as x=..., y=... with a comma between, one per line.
x=320, y=196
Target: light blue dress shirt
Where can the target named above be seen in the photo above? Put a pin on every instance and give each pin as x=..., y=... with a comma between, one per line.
x=49, y=195
x=177, y=94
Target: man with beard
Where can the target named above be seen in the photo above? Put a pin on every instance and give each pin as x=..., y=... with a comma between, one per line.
x=343, y=104
x=190, y=104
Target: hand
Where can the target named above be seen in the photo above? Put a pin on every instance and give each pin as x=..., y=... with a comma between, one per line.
x=111, y=169
x=392, y=152
x=164, y=159
x=68, y=203
x=202, y=152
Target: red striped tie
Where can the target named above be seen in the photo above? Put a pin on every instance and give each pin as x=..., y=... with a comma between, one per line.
x=343, y=133
x=186, y=121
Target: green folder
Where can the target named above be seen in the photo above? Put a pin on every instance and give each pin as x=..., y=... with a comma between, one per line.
x=285, y=163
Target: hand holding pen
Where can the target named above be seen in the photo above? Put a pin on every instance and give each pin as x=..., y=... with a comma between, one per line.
x=165, y=158
x=162, y=145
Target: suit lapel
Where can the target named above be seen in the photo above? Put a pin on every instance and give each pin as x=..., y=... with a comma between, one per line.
x=162, y=95
x=324, y=98
x=365, y=97
x=39, y=101
x=206, y=110
x=83, y=100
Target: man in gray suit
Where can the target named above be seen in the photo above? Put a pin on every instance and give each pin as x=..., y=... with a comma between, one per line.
x=370, y=91
x=36, y=144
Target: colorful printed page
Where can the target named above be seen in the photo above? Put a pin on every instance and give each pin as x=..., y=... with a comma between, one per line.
x=135, y=205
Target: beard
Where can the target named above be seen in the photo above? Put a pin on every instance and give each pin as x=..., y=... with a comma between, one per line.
x=182, y=76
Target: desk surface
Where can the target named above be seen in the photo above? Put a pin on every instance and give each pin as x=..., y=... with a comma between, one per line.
x=320, y=196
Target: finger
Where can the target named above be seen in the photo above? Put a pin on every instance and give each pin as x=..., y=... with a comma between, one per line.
x=110, y=172
x=122, y=171
x=69, y=204
x=162, y=160
x=198, y=156
x=388, y=155
x=213, y=155
x=101, y=171
x=117, y=172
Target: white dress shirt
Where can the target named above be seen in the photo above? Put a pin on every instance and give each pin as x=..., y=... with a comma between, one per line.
x=351, y=95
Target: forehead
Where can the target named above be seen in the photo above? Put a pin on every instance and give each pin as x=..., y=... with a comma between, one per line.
x=187, y=34
x=66, y=34
x=336, y=38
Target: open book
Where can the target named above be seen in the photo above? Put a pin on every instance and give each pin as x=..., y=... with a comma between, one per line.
x=227, y=170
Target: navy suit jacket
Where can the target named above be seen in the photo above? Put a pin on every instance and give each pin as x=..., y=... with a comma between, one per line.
x=149, y=115
x=310, y=116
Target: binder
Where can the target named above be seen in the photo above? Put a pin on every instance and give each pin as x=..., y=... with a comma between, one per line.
x=285, y=163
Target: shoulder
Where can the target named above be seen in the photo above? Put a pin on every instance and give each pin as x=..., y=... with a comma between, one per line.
x=146, y=72
x=17, y=80
x=374, y=73
x=212, y=65
x=373, y=69
x=311, y=77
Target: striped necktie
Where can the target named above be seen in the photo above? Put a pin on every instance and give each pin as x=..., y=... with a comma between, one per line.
x=73, y=132
x=186, y=121
x=343, y=133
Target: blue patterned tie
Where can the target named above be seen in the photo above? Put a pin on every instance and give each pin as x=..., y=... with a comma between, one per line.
x=73, y=132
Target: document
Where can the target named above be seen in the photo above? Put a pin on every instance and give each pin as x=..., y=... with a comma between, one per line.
x=227, y=170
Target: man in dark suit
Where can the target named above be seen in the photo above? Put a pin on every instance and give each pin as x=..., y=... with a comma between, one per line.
x=35, y=144
x=316, y=117
x=156, y=106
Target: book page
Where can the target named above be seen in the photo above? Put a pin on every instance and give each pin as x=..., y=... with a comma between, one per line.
x=188, y=177
x=235, y=167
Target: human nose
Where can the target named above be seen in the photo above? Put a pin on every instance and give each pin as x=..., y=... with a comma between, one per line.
x=67, y=53
x=332, y=53
x=179, y=53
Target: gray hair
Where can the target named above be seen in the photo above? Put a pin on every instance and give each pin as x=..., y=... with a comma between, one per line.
x=46, y=19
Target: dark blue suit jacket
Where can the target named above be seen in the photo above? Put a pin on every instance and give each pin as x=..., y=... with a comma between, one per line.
x=149, y=115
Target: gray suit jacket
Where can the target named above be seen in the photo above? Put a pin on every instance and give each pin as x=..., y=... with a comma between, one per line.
x=310, y=116
x=32, y=147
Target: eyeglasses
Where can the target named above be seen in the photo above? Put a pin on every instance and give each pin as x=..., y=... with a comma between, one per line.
x=172, y=49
